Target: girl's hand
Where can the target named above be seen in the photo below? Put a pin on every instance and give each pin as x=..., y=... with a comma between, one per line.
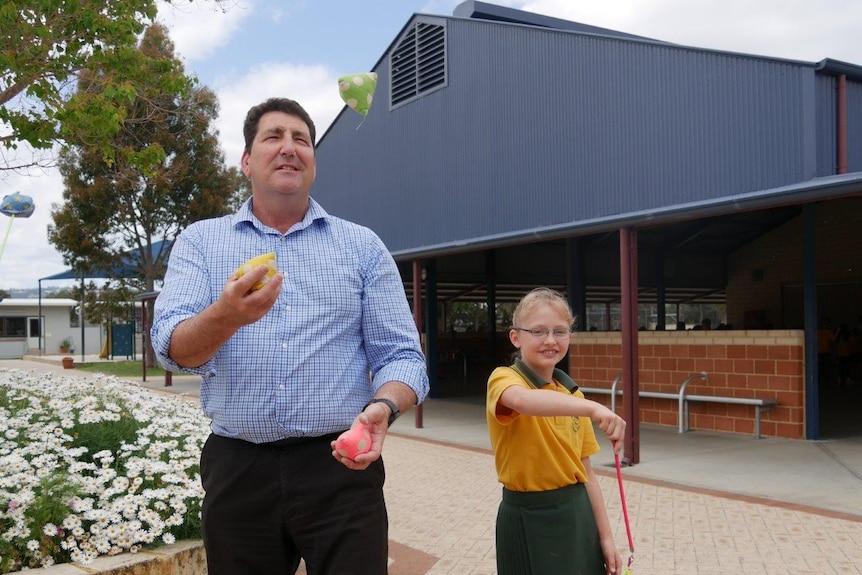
x=611, y=424
x=613, y=560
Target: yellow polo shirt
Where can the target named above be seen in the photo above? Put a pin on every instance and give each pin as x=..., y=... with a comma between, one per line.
x=536, y=453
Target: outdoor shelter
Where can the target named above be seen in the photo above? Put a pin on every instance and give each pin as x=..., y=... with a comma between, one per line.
x=515, y=150
x=126, y=268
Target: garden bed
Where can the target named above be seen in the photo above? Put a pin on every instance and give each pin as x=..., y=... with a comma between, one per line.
x=97, y=469
x=183, y=558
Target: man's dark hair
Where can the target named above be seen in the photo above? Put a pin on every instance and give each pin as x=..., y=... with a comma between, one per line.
x=252, y=119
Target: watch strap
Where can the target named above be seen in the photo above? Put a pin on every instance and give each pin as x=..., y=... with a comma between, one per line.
x=394, y=408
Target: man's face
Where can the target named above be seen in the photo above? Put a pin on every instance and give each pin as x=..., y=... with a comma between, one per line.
x=281, y=160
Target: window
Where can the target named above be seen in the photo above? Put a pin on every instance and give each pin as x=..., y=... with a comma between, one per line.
x=418, y=63
x=13, y=326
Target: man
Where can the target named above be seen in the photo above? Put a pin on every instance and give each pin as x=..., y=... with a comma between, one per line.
x=285, y=368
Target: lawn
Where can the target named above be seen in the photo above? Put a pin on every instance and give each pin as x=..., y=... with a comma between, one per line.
x=119, y=368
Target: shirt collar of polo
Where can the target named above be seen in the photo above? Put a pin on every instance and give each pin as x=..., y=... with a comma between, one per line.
x=533, y=379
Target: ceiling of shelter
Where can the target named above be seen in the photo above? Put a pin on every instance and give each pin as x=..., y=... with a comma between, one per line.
x=693, y=264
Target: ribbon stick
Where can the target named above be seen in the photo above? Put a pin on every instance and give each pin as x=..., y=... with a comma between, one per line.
x=628, y=569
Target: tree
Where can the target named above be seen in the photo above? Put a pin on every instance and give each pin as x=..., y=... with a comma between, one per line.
x=168, y=171
x=104, y=304
x=44, y=46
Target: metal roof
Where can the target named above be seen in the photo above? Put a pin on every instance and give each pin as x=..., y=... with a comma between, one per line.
x=32, y=302
x=549, y=132
x=546, y=130
x=128, y=267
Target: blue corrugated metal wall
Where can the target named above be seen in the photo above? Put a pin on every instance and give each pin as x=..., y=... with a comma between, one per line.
x=543, y=128
x=826, y=126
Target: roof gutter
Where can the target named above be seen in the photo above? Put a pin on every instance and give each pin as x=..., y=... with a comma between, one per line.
x=839, y=68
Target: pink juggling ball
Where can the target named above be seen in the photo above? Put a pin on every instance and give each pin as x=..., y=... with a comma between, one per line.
x=354, y=441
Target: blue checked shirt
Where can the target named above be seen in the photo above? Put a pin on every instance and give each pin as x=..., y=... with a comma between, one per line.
x=303, y=369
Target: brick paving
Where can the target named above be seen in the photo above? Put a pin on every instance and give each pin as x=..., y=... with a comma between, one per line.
x=443, y=498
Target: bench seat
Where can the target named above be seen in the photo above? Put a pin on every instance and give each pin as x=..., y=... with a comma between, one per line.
x=761, y=405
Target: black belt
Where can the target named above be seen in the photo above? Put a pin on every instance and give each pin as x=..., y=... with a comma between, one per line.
x=291, y=441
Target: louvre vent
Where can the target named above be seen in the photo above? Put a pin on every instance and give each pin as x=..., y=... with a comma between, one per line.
x=418, y=63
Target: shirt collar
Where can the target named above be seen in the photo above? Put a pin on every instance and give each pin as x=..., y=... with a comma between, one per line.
x=245, y=215
x=559, y=375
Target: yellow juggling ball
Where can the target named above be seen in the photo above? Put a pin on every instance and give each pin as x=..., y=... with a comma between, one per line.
x=267, y=260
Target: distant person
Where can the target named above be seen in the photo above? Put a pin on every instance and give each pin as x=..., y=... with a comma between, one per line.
x=541, y=427
x=327, y=343
x=706, y=324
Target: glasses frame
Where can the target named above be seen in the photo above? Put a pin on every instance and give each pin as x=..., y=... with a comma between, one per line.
x=541, y=334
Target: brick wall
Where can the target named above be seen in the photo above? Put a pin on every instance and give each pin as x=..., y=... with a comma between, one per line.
x=763, y=364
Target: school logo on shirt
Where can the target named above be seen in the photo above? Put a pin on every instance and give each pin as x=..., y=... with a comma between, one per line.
x=576, y=424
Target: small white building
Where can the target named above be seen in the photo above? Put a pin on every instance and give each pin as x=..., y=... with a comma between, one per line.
x=22, y=333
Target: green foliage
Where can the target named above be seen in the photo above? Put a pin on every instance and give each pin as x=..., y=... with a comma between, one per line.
x=167, y=170
x=49, y=42
x=50, y=506
x=108, y=303
x=46, y=49
x=104, y=435
x=473, y=317
x=11, y=402
x=87, y=459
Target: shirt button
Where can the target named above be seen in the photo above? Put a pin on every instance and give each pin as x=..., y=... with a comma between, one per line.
x=281, y=386
x=287, y=308
x=284, y=346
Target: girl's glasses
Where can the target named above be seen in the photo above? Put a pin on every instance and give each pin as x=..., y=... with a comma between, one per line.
x=542, y=333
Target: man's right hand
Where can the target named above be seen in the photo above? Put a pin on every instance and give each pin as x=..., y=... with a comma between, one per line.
x=198, y=338
x=243, y=305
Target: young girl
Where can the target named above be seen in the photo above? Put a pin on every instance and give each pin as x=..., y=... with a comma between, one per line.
x=552, y=519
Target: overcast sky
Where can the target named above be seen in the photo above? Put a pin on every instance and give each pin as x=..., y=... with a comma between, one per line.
x=298, y=48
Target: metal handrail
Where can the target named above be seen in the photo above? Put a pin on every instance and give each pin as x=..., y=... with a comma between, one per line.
x=616, y=382
x=683, y=423
x=683, y=404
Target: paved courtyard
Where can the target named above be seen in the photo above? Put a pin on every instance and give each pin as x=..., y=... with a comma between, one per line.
x=442, y=502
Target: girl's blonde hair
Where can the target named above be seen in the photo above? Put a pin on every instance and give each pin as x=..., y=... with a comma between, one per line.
x=542, y=295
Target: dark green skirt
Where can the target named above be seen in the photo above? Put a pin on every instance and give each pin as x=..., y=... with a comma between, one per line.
x=548, y=533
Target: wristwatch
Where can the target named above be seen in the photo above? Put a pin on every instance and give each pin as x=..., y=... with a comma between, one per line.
x=394, y=408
